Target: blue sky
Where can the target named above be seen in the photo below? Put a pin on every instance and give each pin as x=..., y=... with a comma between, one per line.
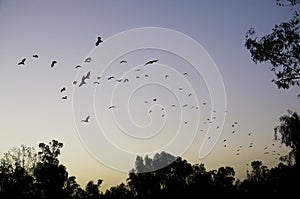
x=32, y=110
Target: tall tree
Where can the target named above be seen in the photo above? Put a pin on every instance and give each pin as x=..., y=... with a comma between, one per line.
x=23, y=156
x=289, y=133
x=224, y=178
x=167, y=178
x=280, y=48
x=93, y=190
x=200, y=179
x=257, y=182
x=16, y=166
x=50, y=175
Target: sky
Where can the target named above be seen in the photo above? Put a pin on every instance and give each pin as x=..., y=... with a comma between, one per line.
x=203, y=69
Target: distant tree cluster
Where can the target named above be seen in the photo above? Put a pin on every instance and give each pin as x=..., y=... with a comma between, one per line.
x=27, y=174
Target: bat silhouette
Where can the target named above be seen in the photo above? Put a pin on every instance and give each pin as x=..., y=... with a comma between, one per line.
x=86, y=119
x=22, y=62
x=53, y=63
x=63, y=89
x=88, y=59
x=99, y=40
x=88, y=75
x=151, y=62
x=82, y=82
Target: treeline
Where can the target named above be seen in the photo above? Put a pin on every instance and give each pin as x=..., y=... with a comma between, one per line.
x=27, y=174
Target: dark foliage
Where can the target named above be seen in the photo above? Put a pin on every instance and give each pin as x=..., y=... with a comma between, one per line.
x=280, y=48
x=49, y=179
x=289, y=132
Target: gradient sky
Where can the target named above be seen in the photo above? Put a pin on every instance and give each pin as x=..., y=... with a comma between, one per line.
x=32, y=110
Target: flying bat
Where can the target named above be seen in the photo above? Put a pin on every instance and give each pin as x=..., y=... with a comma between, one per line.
x=88, y=59
x=63, y=89
x=82, y=82
x=86, y=119
x=88, y=75
x=99, y=40
x=22, y=62
x=53, y=63
x=126, y=80
x=151, y=62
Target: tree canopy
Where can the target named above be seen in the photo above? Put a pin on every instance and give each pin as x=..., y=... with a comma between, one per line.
x=289, y=133
x=50, y=179
x=280, y=48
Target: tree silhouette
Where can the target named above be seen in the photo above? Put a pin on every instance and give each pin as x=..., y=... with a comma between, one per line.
x=16, y=168
x=174, y=178
x=73, y=189
x=200, y=180
x=280, y=48
x=92, y=190
x=256, y=183
x=283, y=180
x=287, y=2
x=50, y=175
x=150, y=176
x=141, y=181
x=49, y=153
x=223, y=180
x=289, y=131
x=23, y=156
x=163, y=176
x=259, y=173
x=121, y=191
